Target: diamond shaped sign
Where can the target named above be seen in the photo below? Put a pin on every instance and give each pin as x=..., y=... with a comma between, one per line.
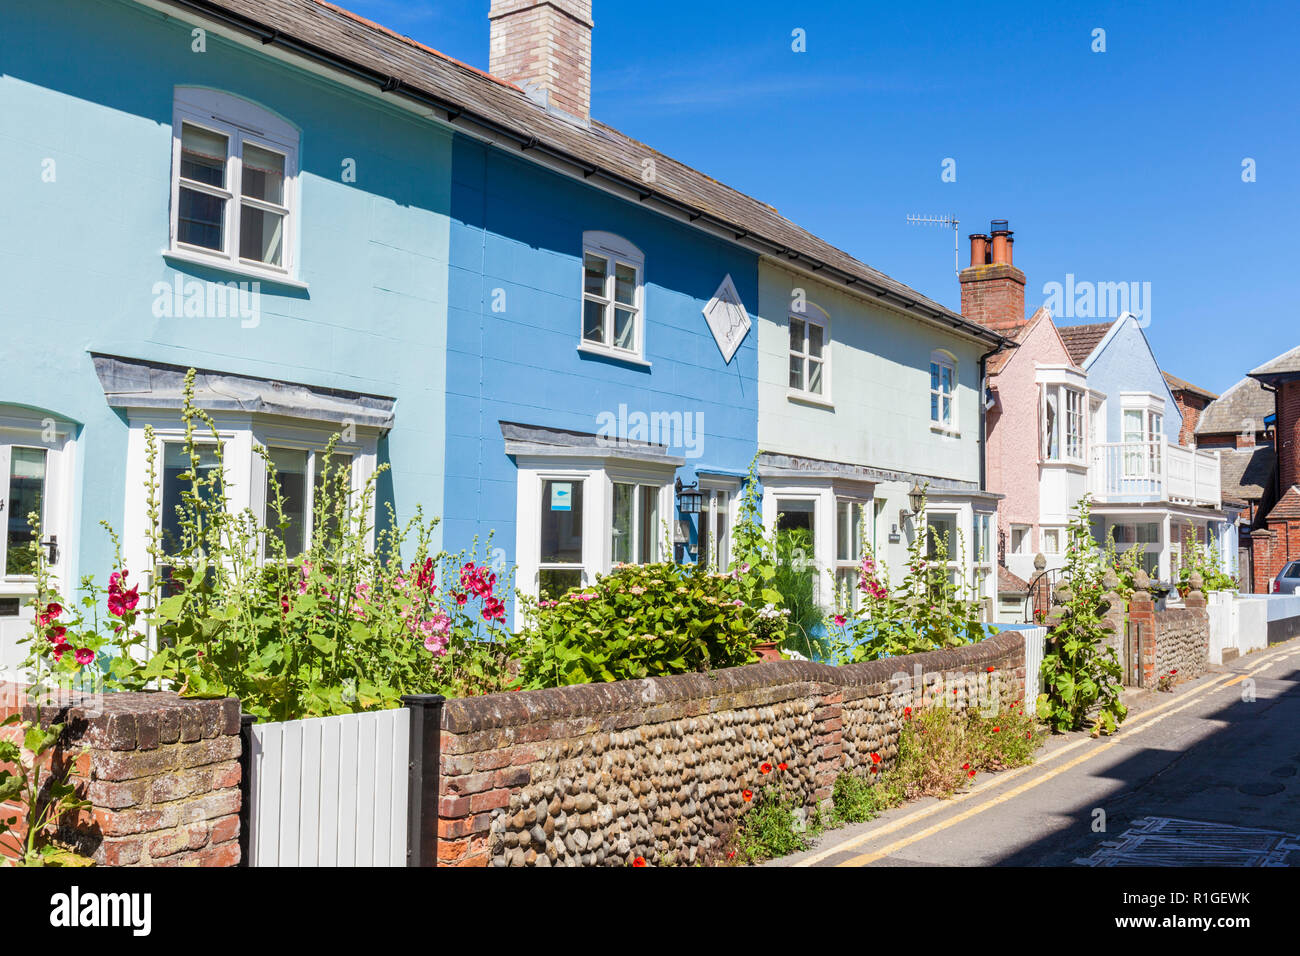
x=727, y=318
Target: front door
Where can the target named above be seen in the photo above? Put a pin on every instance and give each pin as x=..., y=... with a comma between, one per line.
x=31, y=483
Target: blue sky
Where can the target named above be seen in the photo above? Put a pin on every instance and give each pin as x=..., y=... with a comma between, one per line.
x=1122, y=166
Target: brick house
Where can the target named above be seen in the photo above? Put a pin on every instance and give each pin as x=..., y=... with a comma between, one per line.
x=1275, y=539
x=1191, y=400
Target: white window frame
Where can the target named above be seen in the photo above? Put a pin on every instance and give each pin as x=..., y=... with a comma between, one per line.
x=1153, y=409
x=852, y=564
x=813, y=315
x=244, y=470
x=1056, y=530
x=717, y=558
x=940, y=360
x=616, y=251
x=241, y=122
x=1026, y=532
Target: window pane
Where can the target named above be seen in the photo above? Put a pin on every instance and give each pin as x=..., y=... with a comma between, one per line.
x=946, y=379
x=793, y=514
x=593, y=321
x=649, y=525
x=26, y=495
x=594, y=271
x=796, y=335
x=796, y=372
x=846, y=583
x=200, y=220
x=848, y=527
x=291, y=476
x=947, y=410
x=203, y=155
x=1133, y=425
x=175, y=464
x=721, y=539
x=561, y=522
x=261, y=235
x=942, y=529
x=1051, y=447
x=331, y=495
x=625, y=284
x=263, y=176
x=934, y=375
x=814, y=377
x=553, y=583
x=934, y=407
x=621, y=531
x=624, y=329
x=815, y=340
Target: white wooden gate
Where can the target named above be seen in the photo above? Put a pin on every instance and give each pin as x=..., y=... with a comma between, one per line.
x=330, y=791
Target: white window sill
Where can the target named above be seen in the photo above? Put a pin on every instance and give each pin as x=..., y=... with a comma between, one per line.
x=945, y=430
x=810, y=398
x=615, y=354
x=232, y=268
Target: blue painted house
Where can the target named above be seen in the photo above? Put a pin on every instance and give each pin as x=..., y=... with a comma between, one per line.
x=539, y=325
x=1147, y=489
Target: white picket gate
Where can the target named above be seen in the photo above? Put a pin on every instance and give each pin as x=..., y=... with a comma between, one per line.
x=330, y=791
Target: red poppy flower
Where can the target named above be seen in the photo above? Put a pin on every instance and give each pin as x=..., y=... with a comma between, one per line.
x=782, y=766
x=875, y=758
x=971, y=774
x=907, y=712
x=875, y=770
x=997, y=729
x=765, y=768
x=747, y=795
x=992, y=669
x=965, y=766
x=639, y=861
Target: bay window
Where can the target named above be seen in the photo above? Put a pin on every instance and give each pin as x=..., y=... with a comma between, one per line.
x=635, y=526
x=848, y=548
x=560, y=553
x=1062, y=417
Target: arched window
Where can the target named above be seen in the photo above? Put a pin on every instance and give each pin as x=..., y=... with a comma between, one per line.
x=943, y=389
x=234, y=184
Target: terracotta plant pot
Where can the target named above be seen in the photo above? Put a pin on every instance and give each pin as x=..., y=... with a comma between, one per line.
x=768, y=651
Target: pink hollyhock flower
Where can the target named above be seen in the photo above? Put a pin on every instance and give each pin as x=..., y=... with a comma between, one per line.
x=494, y=610
x=56, y=635
x=58, y=651
x=85, y=655
x=839, y=620
x=461, y=598
x=50, y=613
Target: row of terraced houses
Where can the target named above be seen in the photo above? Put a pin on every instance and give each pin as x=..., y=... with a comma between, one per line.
x=549, y=333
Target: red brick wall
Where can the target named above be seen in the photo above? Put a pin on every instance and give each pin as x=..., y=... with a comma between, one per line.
x=1271, y=549
x=1190, y=407
x=161, y=773
x=1288, y=434
x=993, y=295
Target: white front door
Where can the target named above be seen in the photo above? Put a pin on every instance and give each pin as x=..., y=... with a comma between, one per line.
x=34, y=479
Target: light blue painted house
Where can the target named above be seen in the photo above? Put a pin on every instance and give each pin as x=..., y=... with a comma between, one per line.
x=539, y=325
x=1147, y=489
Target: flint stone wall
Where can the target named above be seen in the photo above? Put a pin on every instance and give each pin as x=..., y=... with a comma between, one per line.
x=1173, y=639
x=600, y=774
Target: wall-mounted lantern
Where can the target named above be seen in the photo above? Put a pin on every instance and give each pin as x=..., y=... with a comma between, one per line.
x=688, y=497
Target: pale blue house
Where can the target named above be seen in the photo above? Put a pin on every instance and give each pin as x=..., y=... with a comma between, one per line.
x=1147, y=489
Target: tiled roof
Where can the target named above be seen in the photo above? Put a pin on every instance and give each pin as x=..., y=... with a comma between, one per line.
x=1282, y=365
x=1247, y=472
x=470, y=97
x=998, y=361
x=1288, y=505
x=1009, y=583
x=1182, y=385
x=1241, y=408
x=1080, y=340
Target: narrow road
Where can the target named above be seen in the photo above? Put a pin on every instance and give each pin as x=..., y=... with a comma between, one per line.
x=1205, y=776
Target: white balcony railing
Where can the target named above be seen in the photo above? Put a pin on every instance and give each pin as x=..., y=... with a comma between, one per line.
x=1155, y=470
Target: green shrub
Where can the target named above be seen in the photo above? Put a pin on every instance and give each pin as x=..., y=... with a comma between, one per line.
x=941, y=750
x=770, y=826
x=857, y=800
x=638, y=621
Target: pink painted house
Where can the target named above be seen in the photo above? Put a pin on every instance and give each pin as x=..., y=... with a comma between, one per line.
x=1037, y=422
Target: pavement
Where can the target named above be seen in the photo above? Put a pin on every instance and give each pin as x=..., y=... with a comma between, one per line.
x=1208, y=775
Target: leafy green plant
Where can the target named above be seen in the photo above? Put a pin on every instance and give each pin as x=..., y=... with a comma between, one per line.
x=224, y=609
x=1199, y=559
x=638, y=621
x=795, y=580
x=770, y=826
x=856, y=799
x=753, y=557
x=45, y=796
x=942, y=749
x=1081, y=674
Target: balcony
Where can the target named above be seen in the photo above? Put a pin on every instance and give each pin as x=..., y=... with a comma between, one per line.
x=1154, y=471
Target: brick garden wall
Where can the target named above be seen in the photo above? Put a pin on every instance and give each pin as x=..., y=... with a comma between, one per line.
x=1173, y=639
x=600, y=774
x=161, y=773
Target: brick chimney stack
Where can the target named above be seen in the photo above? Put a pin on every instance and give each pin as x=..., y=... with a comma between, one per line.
x=544, y=46
x=992, y=289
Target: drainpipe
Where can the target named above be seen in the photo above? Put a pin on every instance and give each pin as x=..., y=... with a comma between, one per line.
x=984, y=387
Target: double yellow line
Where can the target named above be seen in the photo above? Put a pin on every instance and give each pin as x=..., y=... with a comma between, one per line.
x=1146, y=719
